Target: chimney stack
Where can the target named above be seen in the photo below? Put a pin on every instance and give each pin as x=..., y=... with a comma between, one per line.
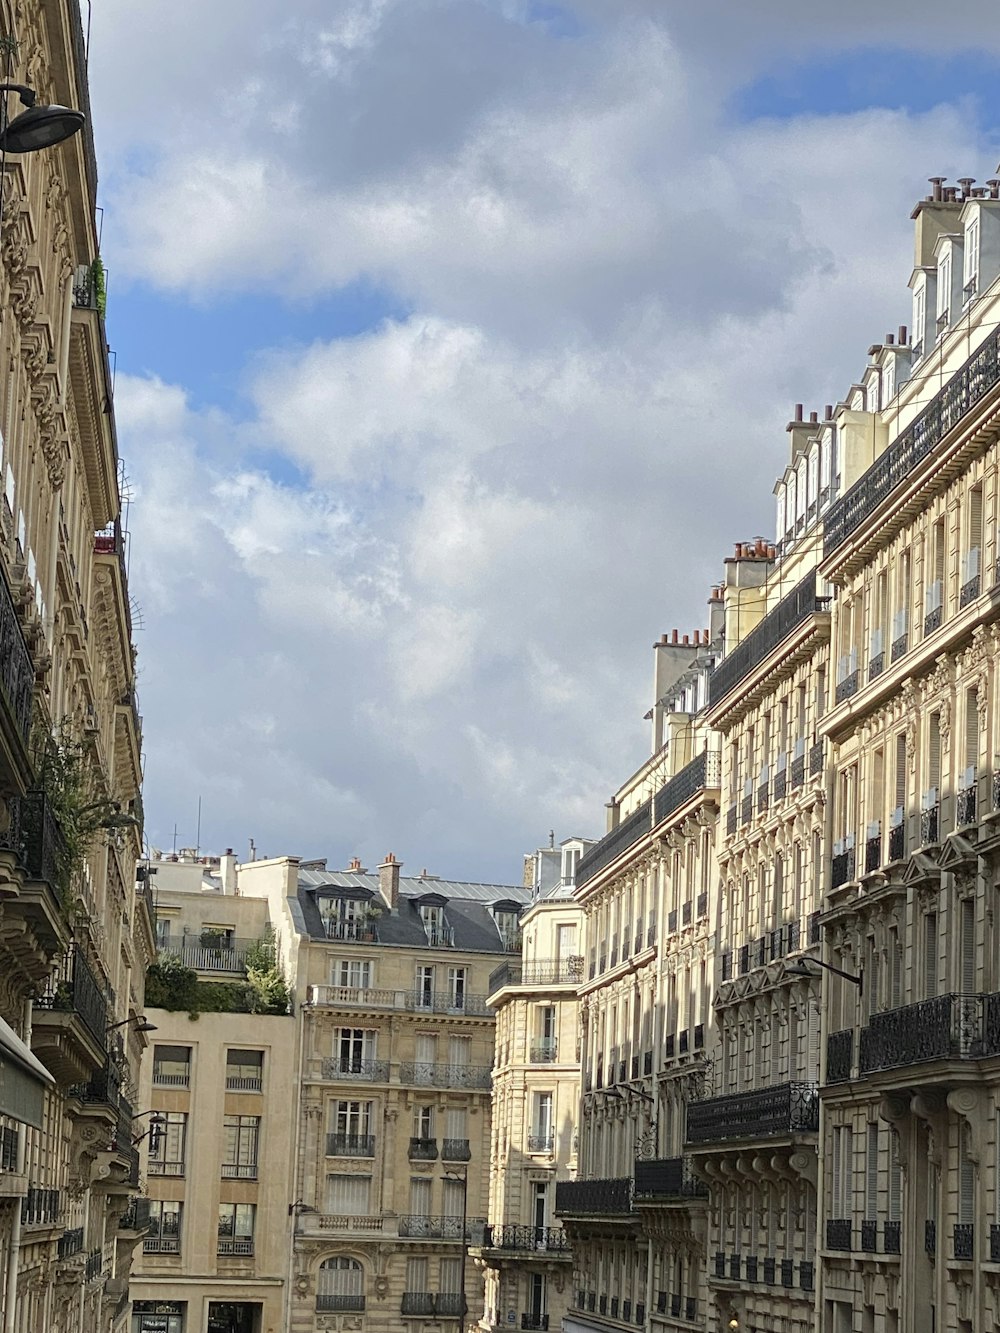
x=227, y=871
x=388, y=880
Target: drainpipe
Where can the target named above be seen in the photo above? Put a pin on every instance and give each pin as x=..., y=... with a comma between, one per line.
x=10, y=1281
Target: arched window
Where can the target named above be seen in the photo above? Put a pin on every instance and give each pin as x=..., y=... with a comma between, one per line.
x=341, y=1284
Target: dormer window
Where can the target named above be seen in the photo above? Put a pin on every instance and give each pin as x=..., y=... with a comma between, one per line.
x=779, y=522
x=971, y=273
x=888, y=380
x=944, y=290
x=919, y=318
x=349, y=918
x=432, y=918
x=507, y=914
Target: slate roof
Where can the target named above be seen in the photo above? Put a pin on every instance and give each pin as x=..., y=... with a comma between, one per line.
x=467, y=907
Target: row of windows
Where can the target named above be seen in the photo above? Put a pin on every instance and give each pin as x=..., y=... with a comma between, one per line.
x=166, y=1221
x=172, y=1068
x=168, y=1146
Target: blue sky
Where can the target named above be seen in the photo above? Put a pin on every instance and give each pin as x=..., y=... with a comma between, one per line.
x=455, y=343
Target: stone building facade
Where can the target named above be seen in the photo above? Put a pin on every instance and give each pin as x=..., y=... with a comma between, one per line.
x=526, y=1259
x=75, y=934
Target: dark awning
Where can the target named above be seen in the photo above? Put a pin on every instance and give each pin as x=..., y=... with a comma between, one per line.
x=23, y=1079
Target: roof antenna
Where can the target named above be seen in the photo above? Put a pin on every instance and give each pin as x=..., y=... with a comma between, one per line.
x=552, y=838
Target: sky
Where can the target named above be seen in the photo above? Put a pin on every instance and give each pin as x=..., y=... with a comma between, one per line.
x=455, y=342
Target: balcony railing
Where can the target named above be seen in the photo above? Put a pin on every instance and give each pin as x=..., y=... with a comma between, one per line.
x=842, y=869
x=527, y=1238
x=608, y=1197
x=94, y=1265
x=234, y=1245
x=839, y=1056
x=535, y=1321
x=423, y=1150
x=792, y=611
x=994, y=1242
x=41, y=838
x=340, y=1302
x=450, y=1303
x=540, y=1142
x=163, y=1078
x=360, y=932
x=161, y=1245
x=159, y=1167
x=615, y=843
x=869, y=1236
x=947, y=1027
x=70, y=1243
x=789, y=1108
x=419, y=1225
x=244, y=1082
x=546, y=972
x=704, y=771
x=350, y=1145
x=17, y=671
x=963, y=1239
x=963, y=390
x=40, y=1207
x=455, y=1150
x=417, y=1302
x=446, y=1076
x=544, y=1052
x=222, y=957
x=965, y=807
x=838, y=1233
x=447, y=1002
x=890, y=1242
x=239, y=1171
x=373, y=1071
x=74, y=989
x=667, y=1178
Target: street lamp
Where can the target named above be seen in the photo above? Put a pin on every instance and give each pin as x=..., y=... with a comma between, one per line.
x=802, y=970
x=38, y=126
x=463, y=1176
x=142, y=1024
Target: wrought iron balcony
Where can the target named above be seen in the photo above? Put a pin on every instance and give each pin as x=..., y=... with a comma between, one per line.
x=869, y=1236
x=350, y=1145
x=527, y=1238
x=455, y=1150
x=963, y=1239
x=769, y=1271
x=839, y=1056
x=787, y=1269
x=876, y=666
x=94, y=1265
x=446, y=1076
x=731, y=819
x=842, y=869
x=788, y=1108
x=838, y=1233
x=965, y=807
x=239, y=1245
x=930, y=1236
x=751, y=1268
x=421, y=1225
x=544, y=1052
x=930, y=825
x=970, y=591
x=73, y=988
x=546, y=972
x=797, y=771
x=816, y=757
x=963, y=390
x=70, y=1243
x=238, y=1171
x=17, y=671
x=807, y=1275
x=873, y=853
x=40, y=1207
x=667, y=1178
x=540, y=1142
x=899, y=647
x=779, y=788
x=161, y=1245
x=535, y=1321
x=417, y=1302
x=897, y=843
x=343, y=1067
x=848, y=687
x=948, y=1027
x=746, y=810
x=223, y=956
x=423, y=1150
x=702, y=772
x=450, y=1303
x=890, y=1238
x=360, y=932
x=447, y=1002
x=41, y=838
x=792, y=611
x=341, y=1302
x=994, y=1242
x=609, y=1197
x=615, y=843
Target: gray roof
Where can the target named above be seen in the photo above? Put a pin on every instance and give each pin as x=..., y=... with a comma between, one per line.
x=467, y=909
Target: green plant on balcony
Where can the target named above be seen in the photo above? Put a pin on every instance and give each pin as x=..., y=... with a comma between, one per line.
x=99, y=285
x=267, y=990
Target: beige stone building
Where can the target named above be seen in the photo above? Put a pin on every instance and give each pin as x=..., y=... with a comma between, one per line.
x=525, y=1257
x=911, y=1098
x=379, y=1090
x=635, y=1213
x=75, y=935
x=215, y=1253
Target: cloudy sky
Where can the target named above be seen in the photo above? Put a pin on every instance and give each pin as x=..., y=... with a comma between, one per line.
x=455, y=344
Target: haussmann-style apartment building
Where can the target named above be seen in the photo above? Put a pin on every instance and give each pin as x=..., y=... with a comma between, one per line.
x=75, y=934
x=344, y=1192
x=790, y=1067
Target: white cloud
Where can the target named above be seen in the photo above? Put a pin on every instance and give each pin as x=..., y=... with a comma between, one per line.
x=440, y=641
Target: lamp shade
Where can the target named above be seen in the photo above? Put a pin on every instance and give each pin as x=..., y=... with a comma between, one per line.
x=40, y=127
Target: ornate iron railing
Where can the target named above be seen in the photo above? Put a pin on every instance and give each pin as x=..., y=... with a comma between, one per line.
x=788, y=1108
x=441, y=1228
x=455, y=1150
x=965, y=807
x=527, y=1238
x=876, y=666
x=930, y=825
x=945, y=1027
x=897, y=843
x=42, y=839
x=847, y=688
x=873, y=853
x=17, y=671
x=544, y=1052
x=70, y=1243
x=703, y=771
x=667, y=1178
x=94, y=1265
x=842, y=869
x=613, y=844
x=839, y=1056
x=350, y=1145
x=838, y=1233
x=375, y=1071
x=423, y=1150
x=609, y=1196
x=74, y=989
x=995, y=1242
x=447, y=1002
x=535, y=1321
x=791, y=611
x=869, y=1235
x=450, y=1303
x=40, y=1207
x=234, y=1245
x=963, y=1239
x=340, y=1302
x=964, y=389
x=417, y=1302
x=359, y=932
x=890, y=1238
x=547, y=972
x=445, y=1076
x=540, y=1142
x=930, y=1236
x=807, y=1275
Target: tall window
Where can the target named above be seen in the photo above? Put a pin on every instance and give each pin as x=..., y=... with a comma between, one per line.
x=450, y=1277
x=423, y=1122
x=353, y=973
x=416, y=1276
x=166, y=1144
x=244, y=1071
x=456, y=988
x=930, y=955
x=355, y=1048
x=341, y=1284
x=239, y=1158
x=871, y=1173
x=541, y=1139
x=164, y=1234
x=350, y=1133
x=347, y=1195
x=171, y=1066
x=420, y=1197
x=842, y=1167
x=456, y=1144
x=973, y=546
x=425, y=987
x=236, y=1225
